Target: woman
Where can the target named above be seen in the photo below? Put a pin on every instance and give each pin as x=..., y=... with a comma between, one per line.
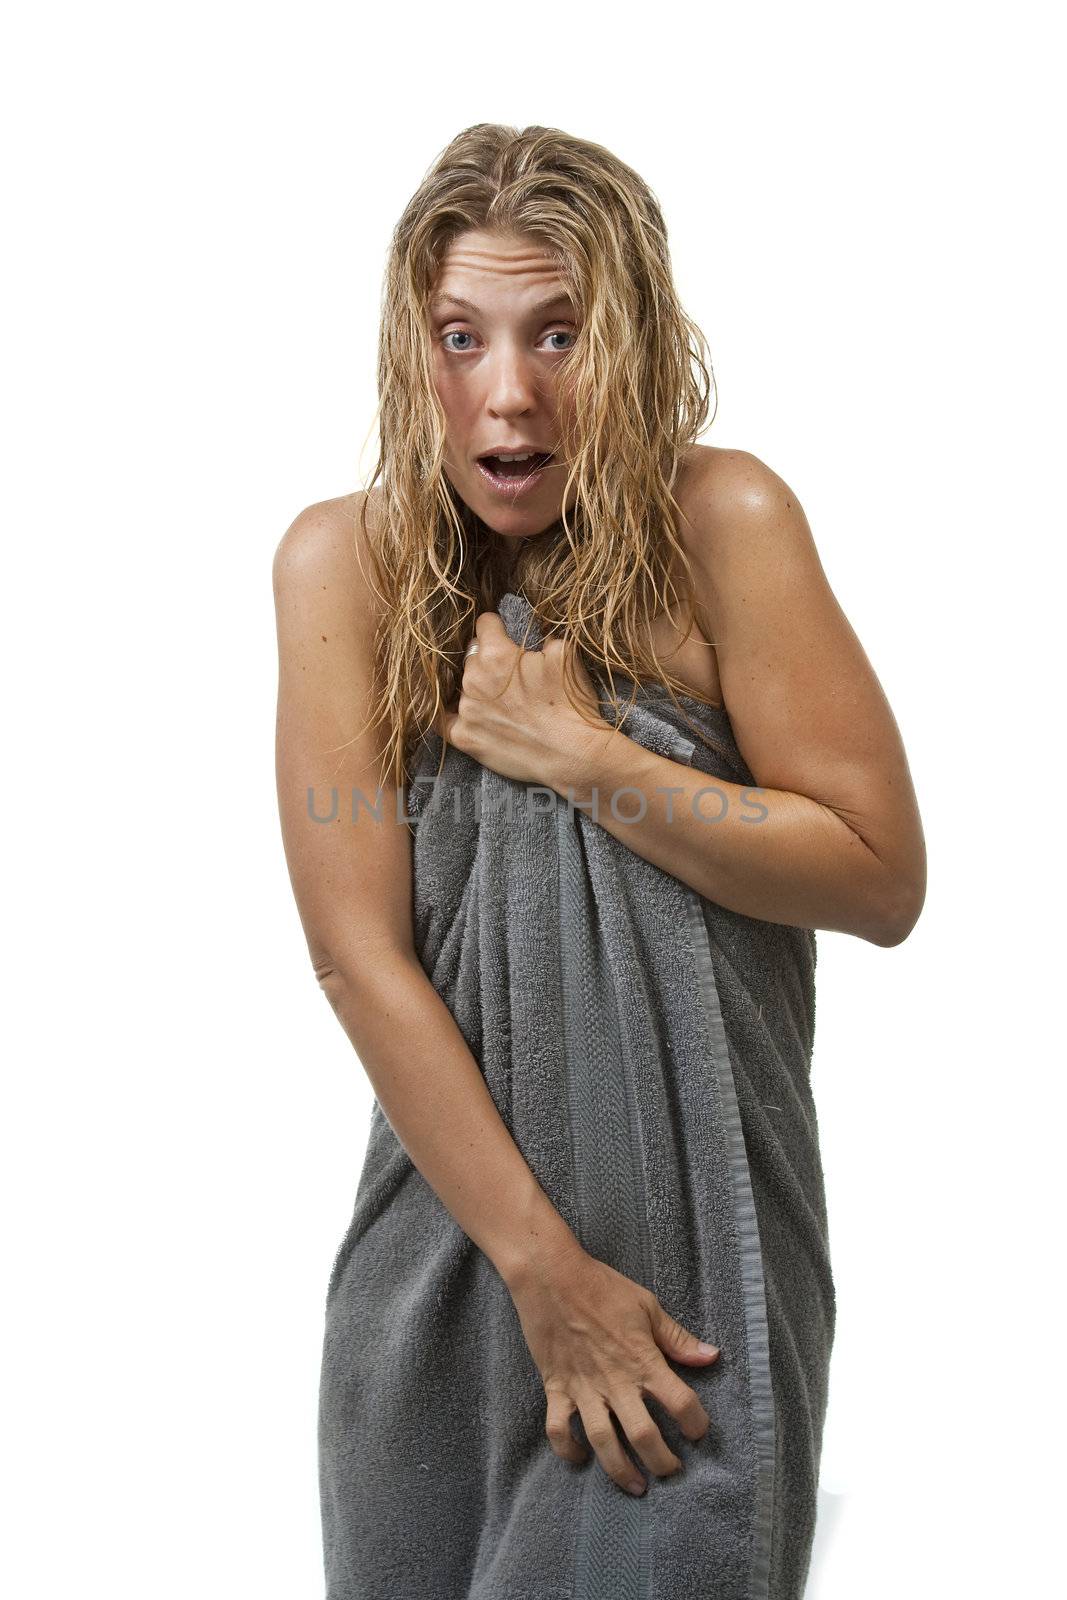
x=578, y=1332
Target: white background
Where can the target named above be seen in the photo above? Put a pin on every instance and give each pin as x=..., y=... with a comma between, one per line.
x=862, y=205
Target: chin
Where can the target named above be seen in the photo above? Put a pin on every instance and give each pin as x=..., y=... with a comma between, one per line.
x=515, y=522
x=512, y=531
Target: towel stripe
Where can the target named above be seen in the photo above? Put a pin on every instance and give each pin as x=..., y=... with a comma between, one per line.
x=753, y=1285
x=612, y=1545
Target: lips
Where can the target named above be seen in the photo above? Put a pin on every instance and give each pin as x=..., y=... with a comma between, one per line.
x=511, y=479
x=516, y=469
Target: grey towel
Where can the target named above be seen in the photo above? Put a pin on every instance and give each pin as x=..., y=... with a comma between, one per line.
x=650, y=1052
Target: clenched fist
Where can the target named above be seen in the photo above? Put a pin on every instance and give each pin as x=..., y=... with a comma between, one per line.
x=513, y=714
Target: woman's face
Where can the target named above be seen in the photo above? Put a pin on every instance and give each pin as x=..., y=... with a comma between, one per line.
x=501, y=321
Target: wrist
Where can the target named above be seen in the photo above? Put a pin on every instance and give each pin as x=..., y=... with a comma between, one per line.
x=545, y=1247
x=593, y=758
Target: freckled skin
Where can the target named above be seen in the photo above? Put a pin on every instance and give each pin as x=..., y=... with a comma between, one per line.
x=496, y=375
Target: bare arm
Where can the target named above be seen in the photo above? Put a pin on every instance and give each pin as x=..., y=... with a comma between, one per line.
x=832, y=838
x=352, y=884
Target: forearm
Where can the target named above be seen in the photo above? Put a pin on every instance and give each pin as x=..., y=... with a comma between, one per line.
x=766, y=853
x=435, y=1098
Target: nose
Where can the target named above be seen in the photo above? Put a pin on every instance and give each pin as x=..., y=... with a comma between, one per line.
x=512, y=382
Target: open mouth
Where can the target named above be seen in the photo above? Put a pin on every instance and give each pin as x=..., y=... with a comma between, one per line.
x=514, y=477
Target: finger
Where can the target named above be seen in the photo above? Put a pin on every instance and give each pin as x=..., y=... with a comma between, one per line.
x=495, y=645
x=600, y=1431
x=676, y=1396
x=558, y=1428
x=564, y=657
x=641, y=1430
x=677, y=1342
x=445, y=721
x=490, y=625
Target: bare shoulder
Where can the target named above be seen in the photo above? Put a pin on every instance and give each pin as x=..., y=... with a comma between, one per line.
x=325, y=588
x=740, y=524
x=327, y=539
x=717, y=486
x=327, y=607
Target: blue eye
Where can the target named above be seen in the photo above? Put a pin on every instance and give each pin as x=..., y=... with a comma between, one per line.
x=461, y=333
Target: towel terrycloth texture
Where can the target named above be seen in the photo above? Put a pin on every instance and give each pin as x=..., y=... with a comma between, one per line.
x=650, y=1052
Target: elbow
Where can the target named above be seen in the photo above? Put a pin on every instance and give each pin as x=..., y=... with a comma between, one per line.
x=362, y=967
x=334, y=985
x=901, y=910
x=328, y=973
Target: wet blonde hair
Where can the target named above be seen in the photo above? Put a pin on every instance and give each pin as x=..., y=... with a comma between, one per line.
x=639, y=379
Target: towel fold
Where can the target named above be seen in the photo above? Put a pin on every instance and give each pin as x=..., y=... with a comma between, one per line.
x=650, y=1052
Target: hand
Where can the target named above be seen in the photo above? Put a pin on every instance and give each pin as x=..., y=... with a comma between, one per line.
x=600, y=1342
x=514, y=715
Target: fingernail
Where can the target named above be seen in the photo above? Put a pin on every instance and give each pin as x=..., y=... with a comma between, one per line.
x=708, y=1349
x=636, y=1486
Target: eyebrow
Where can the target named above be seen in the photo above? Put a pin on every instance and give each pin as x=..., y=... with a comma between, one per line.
x=537, y=310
